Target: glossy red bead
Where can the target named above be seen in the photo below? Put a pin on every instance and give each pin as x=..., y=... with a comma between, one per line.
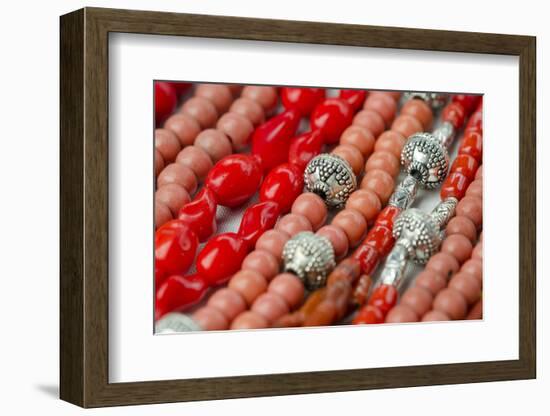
x=381, y=238
x=475, y=123
x=455, y=186
x=467, y=101
x=455, y=114
x=384, y=298
x=302, y=99
x=355, y=98
x=472, y=145
x=305, y=147
x=175, y=248
x=387, y=216
x=221, y=257
x=369, y=315
x=165, y=100
x=271, y=140
x=200, y=214
x=282, y=185
x=180, y=87
x=332, y=116
x=368, y=258
x=178, y=292
x=234, y=179
x=466, y=165
x=257, y=219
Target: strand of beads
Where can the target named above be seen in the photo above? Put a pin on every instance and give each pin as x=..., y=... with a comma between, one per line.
x=201, y=149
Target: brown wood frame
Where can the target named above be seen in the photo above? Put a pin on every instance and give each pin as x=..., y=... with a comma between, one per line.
x=84, y=206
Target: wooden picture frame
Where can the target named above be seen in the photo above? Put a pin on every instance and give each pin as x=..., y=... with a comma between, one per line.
x=84, y=207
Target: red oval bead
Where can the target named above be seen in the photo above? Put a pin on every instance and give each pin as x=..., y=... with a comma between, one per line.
x=221, y=257
x=332, y=116
x=369, y=315
x=455, y=186
x=271, y=140
x=305, y=147
x=466, y=165
x=234, y=179
x=467, y=101
x=472, y=145
x=302, y=99
x=175, y=248
x=200, y=214
x=282, y=185
x=355, y=98
x=455, y=114
x=381, y=238
x=165, y=100
x=384, y=298
x=475, y=123
x=179, y=292
x=257, y=219
x=387, y=216
x=368, y=257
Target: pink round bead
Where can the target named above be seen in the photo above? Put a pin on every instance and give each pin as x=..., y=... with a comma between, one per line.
x=289, y=288
x=406, y=125
x=380, y=182
x=383, y=105
x=431, y=280
x=218, y=94
x=418, y=298
x=238, y=128
x=210, y=319
x=312, y=207
x=418, y=109
x=249, y=109
x=371, y=120
x=475, y=189
x=435, y=316
x=472, y=208
x=174, y=196
x=202, y=110
x=249, y=283
x=228, y=301
x=162, y=214
x=458, y=246
x=391, y=141
x=463, y=226
x=468, y=285
x=337, y=238
x=385, y=161
x=477, y=253
x=352, y=155
x=270, y=305
x=359, y=137
x=249, y=320
x=451, y=303
x=215, y=143
x=263, y=262
x=366, y=202
x=178, y=174
x=293, y=224
x=444, y=264
x=473, y=267
x=265, y=96
x=167, y=144
x=353, y=223
x=185, y=127
x=159, y=162
x=401, y=313
x=479, y=173
x=195, y=159
x=273, y=241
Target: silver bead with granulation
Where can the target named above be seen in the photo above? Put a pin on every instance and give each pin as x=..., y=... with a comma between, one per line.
x=176, y=322
x=419, y=232
x=426, y=159
x=436, y=100
x=310, y=257
x=330, y=177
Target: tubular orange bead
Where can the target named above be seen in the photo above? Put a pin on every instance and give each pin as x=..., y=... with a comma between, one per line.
x=385, y=161
x=185, y=127
x=391, y=141
x=371, y=120
x=352, y=155
x=418, y=109
x=455, y=186
x=353, y=223
x=384, y=297
x=466, y=165
x=381, y=238
x=202, y=110
x=312, y=207
x=406, y=125
x=366, y=202
x=360, y=137
x=472, y=145
x=380, y=182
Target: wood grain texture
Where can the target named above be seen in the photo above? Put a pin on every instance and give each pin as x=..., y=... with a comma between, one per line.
x=84, y=206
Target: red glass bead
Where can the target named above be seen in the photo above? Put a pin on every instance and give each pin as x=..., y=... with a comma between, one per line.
x=369, y=315
x=454, y=113
x=200, y=214
x=160, y=276
x=387, y=216
x=384, y=298
x=221, y=257
x=257, y=219
x=175, y=248
x=368, y=257
x=472, y=145
x=332, y=116
x=180, y=87
x=165, y=101
x=282, y=185
x=467, y=101
x=234, y=179
x=455, y=186
x=305, y=147
x=475, y=123
x=271, y=140
x=466, y=165
x=355, y=98
x=302, y=99
x=179, y=292
x=381, y=238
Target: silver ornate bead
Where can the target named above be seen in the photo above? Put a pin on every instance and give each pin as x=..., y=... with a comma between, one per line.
x=174, y=323
x=426, y=159
x=419, y=232
x=310, y=257
x=330, y=177
x=435, y=100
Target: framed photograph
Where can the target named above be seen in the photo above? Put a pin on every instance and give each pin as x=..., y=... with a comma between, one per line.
x=255, y=207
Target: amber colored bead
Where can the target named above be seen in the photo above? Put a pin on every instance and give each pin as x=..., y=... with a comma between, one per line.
x=348, y=270
x=369, y=315
x=455, y=186
x=472, y=144
x=384, y=298
x=339, y=293
x=313, y=300
x=324, y=314
x=454, y=113
x=466, y=165
x=387, y=216
x=368, y=257
x=362, y=290
x=381, y=238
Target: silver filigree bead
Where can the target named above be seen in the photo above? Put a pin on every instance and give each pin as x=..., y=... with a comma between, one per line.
x=419, y=231
x=404, y=194
x=426, y=159
x=176, y=322
x=436, y=100
x=310, y=257
x=330, y=177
